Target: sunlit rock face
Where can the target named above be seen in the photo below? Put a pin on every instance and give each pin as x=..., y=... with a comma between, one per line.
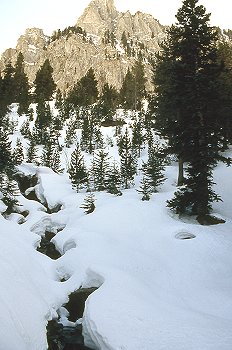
x=72, y=54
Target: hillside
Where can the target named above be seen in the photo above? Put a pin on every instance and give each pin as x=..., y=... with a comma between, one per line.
x=95, y=41
x=162, y=282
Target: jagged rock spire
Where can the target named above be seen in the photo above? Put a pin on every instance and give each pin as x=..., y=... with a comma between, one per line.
x=98, y=16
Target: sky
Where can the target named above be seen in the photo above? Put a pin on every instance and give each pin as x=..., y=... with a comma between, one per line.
x=18, y=15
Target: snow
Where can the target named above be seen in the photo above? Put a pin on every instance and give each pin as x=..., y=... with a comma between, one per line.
x=157, y=290
x=32, y=48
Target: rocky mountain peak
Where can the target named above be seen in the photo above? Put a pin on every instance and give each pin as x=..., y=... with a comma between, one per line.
x=98, y=16
x=109, y=41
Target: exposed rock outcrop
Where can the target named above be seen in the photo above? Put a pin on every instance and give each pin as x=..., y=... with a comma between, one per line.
x=72, y=54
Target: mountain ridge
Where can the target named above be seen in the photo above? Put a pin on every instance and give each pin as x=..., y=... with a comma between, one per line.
x=99, y=46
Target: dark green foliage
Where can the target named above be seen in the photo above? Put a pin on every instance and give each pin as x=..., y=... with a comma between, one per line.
x=77, y=170
x=145, y=189
x=113, y=180
x=126, y=43
x=22, y=96
x=6, y=162
x=100, y=170
x=89, y=204
x=67, y=32
x=43, y=120
x=85, y=92
x=196, y=196
x=60, y=105
x=3, y=103
x=9, y=191
x=139, y=83
x=10, y=125
x=51, y=152
x=133, y=87
x=137, y=137
x=109, y=38
x=32, y=156
x=127, y=91
x=128, y=161
x=8, y=85
x=70, y=137
x=18, y=155
x=153, y=169
x=225, y=88
x=44, y=83
x=190, y=104
x=108, y=102
x=25, y=129
x=91, y=137
x=124, y=40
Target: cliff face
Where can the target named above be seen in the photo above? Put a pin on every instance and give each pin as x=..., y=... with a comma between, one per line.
x=99, y=16
x=72, y=54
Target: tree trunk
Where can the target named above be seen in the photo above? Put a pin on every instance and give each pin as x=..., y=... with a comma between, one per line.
x=180, y=180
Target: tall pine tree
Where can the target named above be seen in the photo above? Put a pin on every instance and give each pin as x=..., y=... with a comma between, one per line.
x=77, y=170
x=44, y=83
x=189, y=104
x=22, y=96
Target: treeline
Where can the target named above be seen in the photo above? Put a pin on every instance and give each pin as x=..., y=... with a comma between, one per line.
x=67, y=32
x=15, y=88
x=190, y=109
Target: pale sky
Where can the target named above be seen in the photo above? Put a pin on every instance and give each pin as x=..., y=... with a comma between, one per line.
x=49, y=15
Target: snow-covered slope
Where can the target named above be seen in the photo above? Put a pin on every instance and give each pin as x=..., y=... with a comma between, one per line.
x=157, y=291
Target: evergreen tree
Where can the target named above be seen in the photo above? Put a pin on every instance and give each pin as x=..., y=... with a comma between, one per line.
x=9, y=191
x=128, y=161
x=127, y=91
x=70, y=136
x=32, y=156
x=108, y=102
x=25, y=129
x=189, y=104
x=18, y=155
x=139, y=83
x=44, y=83
x=60, y=105
x=3, y=102
x=153, y=169
x=6, y=162
x=225, y=88
x=133, y=87
x=85, y=92
x=43, y=120
x=22, y=96
x=91, y=136
x=77, y=170
x=137, y=137
x=145, y=189
x=8, y=85
x=56, y=162
x=124, y=40
x=89, y=204
x=51, y=154
x=113, y=180
x=100, y=170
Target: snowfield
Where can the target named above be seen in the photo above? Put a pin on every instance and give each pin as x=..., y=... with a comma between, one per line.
x=157, y=290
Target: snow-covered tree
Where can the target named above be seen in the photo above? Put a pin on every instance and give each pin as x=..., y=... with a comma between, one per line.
x=32, y=155
x=18, y=155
